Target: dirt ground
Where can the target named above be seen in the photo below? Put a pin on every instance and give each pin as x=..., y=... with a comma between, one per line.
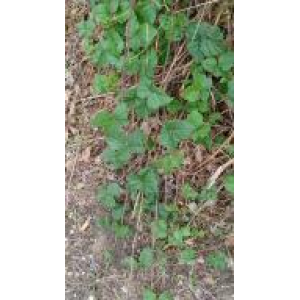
x=89, y=275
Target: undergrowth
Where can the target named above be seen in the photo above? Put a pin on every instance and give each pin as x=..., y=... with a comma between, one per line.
x=172, y=75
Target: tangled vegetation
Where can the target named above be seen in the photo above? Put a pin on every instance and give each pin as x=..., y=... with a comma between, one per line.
x=171, y=72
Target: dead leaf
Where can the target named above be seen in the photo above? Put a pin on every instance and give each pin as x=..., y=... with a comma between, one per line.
x=85, y=225
x=86, y=155
x=80, y=186
x=229, y=242
x=69, y=164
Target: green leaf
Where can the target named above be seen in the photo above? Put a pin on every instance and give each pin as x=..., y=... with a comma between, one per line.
x=136, y=142
x=145, y=182
x=226, y=61
x=157, y=99
x=105, y=83
x=191, y=93
x=149, y=295
x=229, y=183
x=214, y=118
x=121, y=231
x=121, y=147
x=174, y=26
x=146, y=34
x=217, y=260
x=116, y=158
x=107, y=194
x=165, y=296
x=170, y=162
x=111, y=123
x=177, y=239
x=146, y=12
x=101, y=14
x=209, y=194
x=114, y=4
x=230, y=92
x=86, y=28
x=204, y=130
x=188, y=256
x=188, y=192
x=159, y=229
x=195, y=118
x=124, y=12
x=204, y=40
x=117, y=212
x=148, y=63
x=121, y=114
x=130, y=263
x=146, y=258
x=211, y=65
x=175, y=131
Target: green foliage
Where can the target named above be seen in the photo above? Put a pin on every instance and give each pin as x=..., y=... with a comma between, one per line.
x=217, y=260
x=170, y=162
x=105, y=83
x=121, y=147
x=174, y=131
x=130, y=263
x=204, y=40
x=165, y=296
x=145, y=182
x=188, y=192
x=108, y=194
x=111, y=123
x=135, y=46
x=174, y=26
x=146, y=258
x=149, y=295
x=179, y=235
x=188, y=256
x=159, y=229
x=208, y=194
x=229, y=183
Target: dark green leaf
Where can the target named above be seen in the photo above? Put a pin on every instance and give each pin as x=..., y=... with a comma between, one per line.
x=226, y=61
x=217, y=260
x=107, y=194
x=149, y=295
x=101, y=14
x=229, y=183
x=188, y=256
x=175, y=131
x=209, y=194
x=130, y=263
x=105, y=83
x=146, y=258
x=165, y=296
x=188, y=192
x=159, y=229
x=195, y=118
x=174, y=26
x=170, y=162
x=145, y=182
x=86, y=28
